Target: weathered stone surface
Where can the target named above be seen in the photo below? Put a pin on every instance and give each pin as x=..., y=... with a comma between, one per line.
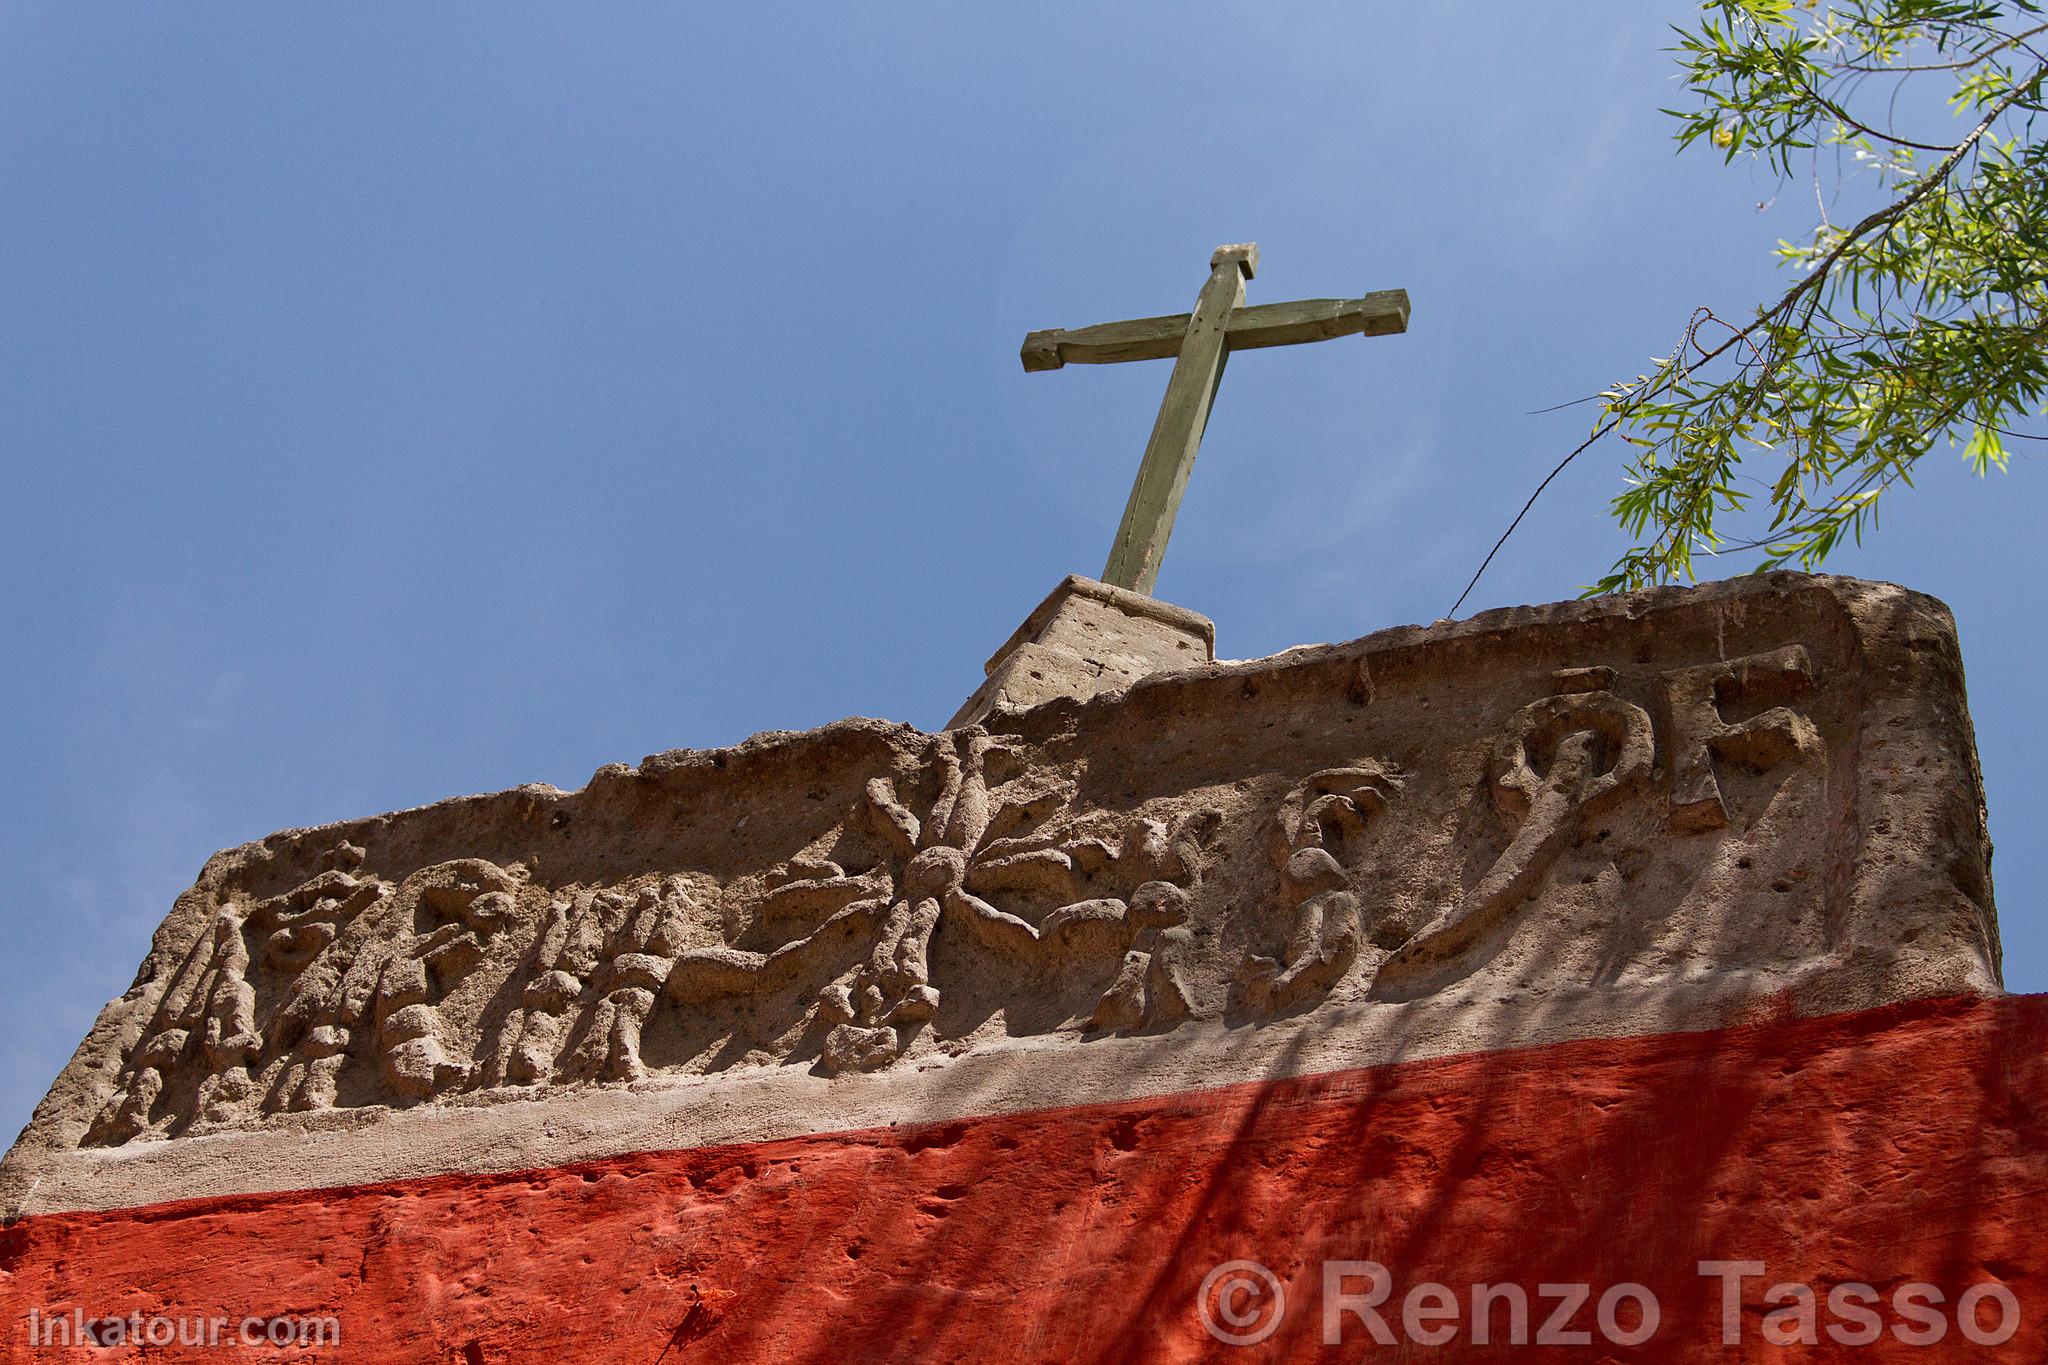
x=1087, y=638
x=1631, y=815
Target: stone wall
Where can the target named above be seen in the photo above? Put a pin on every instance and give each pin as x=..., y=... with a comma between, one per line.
x=1628, y=816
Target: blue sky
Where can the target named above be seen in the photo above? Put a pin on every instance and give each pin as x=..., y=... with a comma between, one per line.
x=401, y=402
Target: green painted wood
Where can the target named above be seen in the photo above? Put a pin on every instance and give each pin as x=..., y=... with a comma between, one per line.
x=1267, y=324
x=1200, y=343
x=1176, y=435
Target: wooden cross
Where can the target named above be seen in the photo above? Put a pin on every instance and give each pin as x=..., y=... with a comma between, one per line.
x=1199, y=342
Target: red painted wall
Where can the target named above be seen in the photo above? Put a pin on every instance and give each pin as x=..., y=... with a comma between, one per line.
x=1899, y=1145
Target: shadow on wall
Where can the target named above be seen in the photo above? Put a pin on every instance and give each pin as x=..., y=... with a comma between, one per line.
x=1891, y=1146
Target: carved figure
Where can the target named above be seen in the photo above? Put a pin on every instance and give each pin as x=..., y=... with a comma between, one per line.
x=461, y=904
x=622, y=946
x=390, y=983
x=563, y=955
x=1152, y=986
x=1321, y=817
x=638, y=954
x=208, y=1020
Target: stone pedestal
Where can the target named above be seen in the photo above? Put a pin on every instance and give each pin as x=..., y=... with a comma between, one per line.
x=1085, y=639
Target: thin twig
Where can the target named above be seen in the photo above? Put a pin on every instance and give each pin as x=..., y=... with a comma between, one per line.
x=1881, y=218
x=1600, y=431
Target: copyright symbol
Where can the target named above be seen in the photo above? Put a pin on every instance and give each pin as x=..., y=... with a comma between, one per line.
x=1241, y=1303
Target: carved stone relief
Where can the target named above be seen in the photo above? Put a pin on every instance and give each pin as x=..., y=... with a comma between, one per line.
x=1359, y=824
x=1320, y=830
x=1700, y=734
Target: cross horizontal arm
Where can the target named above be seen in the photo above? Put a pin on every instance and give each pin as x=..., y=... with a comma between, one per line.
x=1267, y=324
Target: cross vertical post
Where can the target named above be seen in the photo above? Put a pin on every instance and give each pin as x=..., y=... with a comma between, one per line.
x=1183, y=416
